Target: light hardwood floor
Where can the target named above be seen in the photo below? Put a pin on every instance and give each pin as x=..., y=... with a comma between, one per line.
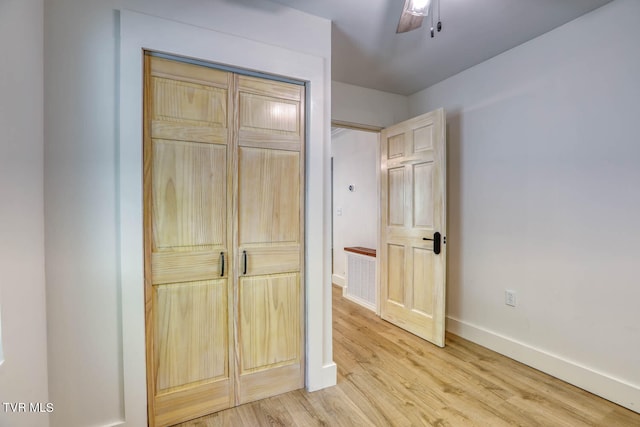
x=388, y=377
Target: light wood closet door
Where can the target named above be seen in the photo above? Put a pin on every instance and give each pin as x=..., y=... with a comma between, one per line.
x=270, y=238
x=188, y=200
x=412, y=269
x=224, y=197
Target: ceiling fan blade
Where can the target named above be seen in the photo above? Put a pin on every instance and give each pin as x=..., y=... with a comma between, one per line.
x=408, y=21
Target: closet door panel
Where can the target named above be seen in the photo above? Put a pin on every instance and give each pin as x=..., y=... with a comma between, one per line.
x=190, y=334
x=172, y=267
x=190, y=102
x=270, y=114
x=189, y=194
x=270, y=260
x=270, y=224
x=269, y=315
x=269, y=197
x=187, y=241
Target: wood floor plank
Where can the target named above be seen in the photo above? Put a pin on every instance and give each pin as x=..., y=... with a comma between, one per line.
x=302, y=409
x=380, y=410
x=388, y=377
x=338, y=409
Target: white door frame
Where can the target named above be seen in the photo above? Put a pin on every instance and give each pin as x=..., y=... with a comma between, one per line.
x=138, y=32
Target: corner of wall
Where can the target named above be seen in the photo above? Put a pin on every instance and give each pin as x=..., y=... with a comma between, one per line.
x=364, y=106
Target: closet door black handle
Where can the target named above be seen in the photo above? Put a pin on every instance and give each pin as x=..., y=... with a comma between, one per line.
x=436, y=242
x=222, y=269
x=244, y=260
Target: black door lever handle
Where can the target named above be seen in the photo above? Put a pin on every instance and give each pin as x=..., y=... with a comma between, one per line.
x=436, y=242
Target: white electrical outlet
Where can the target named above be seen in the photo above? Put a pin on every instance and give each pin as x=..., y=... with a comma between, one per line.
x=510, y=297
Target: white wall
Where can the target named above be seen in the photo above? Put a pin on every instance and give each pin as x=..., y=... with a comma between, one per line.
x=355, y=162
x=544, y=199
x=362, y=106
x=23, y=375
x=357, y=105
x=89, y=382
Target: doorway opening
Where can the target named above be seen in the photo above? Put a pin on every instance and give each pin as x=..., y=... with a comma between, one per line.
x=409, y=271
x=355, y=220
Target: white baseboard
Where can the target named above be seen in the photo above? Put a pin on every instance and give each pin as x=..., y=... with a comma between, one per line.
x=359, y=301
x=601, y=384
x=329, y=378
x=338, y=280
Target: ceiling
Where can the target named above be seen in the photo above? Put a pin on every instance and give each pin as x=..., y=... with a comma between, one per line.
x=367, y=52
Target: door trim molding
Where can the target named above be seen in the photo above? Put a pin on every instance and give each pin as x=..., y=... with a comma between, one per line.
x=355, y=126
x=138, y=32
x=222, y=67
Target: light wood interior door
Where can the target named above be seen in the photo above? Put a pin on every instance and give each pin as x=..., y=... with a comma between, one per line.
x=223, y=187
x=412, y=273
x=187, y=240
x=270, y=329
